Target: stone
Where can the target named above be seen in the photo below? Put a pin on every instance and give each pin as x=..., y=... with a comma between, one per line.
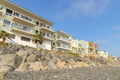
x=31, y=58
x=51, y=64
x=10, y=60
x=36, y=66
x=22, y=67
x=6, y=68
x=7, y=51
x=22, y=54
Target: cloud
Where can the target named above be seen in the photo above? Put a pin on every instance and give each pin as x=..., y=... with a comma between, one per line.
x=102, y=41
x=84, y=7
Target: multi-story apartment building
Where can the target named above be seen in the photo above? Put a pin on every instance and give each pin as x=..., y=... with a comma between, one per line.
x=92, y=48
x=83, y=46
x=103, y=53
x=79, y=46
x=62, y=41
x=24, y=25
x=74, y=45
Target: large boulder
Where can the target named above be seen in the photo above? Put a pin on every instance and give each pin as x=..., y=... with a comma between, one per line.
x=5, y=51
x=22, y=54
x=31, y=58
x=9, y=62
x=22, y=67
x=36, y=66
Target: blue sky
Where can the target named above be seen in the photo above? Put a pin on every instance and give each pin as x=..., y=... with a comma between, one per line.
x=90, y=20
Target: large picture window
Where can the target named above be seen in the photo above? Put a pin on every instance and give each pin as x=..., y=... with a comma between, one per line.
x=25, y=28
x=9, y=12
x=16, y=14
x=25, y=39
x=6, y=23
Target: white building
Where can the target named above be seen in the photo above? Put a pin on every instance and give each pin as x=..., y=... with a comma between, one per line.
x=103, y=53
x=74, y=45
x=23, y=25
x=83, y=46
x=62, y=41
x=79, y=46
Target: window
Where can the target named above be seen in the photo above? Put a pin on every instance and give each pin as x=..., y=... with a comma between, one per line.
x=48, y=27
x=54, y=43
x=16, y=14
x=1, y=7
x=48, y=35
x=36, y=23
x=43, y=34
x=58, y=44
x=25, y=28
x=6, y=23
x=26, y=18
x=9, y=12
x=15, y=24
x=36, y=31
x=25, y=39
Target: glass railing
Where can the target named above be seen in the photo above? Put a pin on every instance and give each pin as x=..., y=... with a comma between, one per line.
x=65, y=39
x=45, y=36
x=63, y=46
x=50, y=28
x=91, y=46
x=23, y=29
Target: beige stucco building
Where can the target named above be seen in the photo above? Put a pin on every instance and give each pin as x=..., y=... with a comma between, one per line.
x=23, y=25
x=79, y=46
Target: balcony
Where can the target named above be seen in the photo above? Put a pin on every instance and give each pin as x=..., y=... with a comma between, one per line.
x=4, y=28
x=46, y=29
x=22, y=21
x=22, y=31
x=47, y=37
x=64, y=47
x=64, y=39
x=91, y=47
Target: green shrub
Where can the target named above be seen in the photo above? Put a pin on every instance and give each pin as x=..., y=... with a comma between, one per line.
x=74, y=54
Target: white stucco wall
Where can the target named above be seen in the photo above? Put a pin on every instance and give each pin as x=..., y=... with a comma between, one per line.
x=18, y=40
x=103, y=53
x=46, y=45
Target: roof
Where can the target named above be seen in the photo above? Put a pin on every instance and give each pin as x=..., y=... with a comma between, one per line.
x=63, y=33
x=20, y=9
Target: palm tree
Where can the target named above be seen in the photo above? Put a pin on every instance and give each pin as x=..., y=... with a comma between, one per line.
x=4, y=35
x=38, y=39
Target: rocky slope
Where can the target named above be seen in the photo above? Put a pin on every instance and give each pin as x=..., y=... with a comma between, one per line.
x=23, y=58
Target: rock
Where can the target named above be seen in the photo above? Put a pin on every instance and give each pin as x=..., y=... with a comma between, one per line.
x=51, y=64
x=37, y=66
x=22, y=54
x=31, y=58
x=6, y=68
x=14, y=47
x=10, y=61
x=22, y=67
x=30, y=51
x=7, y=51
